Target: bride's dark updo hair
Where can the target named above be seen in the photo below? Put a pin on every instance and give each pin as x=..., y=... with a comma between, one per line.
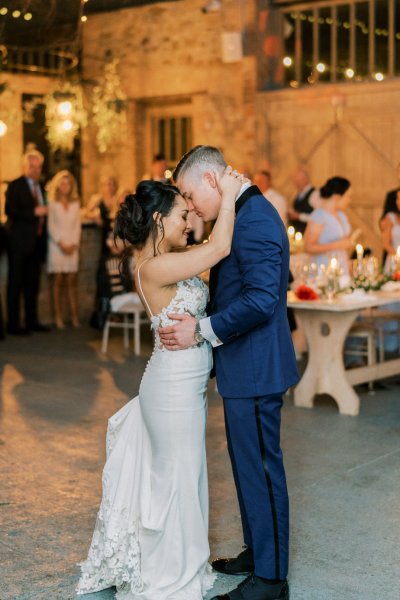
x=335, y=185
x=134, y=222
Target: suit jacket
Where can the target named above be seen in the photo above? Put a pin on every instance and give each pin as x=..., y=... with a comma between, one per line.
x=390, y=202
x=248, y=305
x=22, y=224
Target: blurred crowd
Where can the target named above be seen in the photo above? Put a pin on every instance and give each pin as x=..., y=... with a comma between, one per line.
x=44, y=226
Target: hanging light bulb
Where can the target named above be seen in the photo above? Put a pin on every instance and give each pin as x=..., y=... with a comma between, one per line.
x=65, y=108
x=321, y=68
x=287, y=61
x=3, y=128
x=67, y=125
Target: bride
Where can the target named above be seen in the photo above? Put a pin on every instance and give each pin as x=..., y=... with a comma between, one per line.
x=151, y=534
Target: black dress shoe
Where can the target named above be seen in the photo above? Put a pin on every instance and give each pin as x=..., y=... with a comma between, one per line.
x=256, y=588
x=243, y=564
x=18, y=331
x=40, y=328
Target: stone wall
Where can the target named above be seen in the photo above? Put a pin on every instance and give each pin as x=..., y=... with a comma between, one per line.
x=171, y=53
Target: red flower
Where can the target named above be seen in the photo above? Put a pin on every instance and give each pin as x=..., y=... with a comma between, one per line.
x=396, y=276
x=303, y=292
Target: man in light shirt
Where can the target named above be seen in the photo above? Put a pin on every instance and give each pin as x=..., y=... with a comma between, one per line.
x=263, y=180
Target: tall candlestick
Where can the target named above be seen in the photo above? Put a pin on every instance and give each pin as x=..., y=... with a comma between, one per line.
x=360, y=252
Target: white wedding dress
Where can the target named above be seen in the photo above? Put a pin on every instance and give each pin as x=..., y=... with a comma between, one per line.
x=151, y=535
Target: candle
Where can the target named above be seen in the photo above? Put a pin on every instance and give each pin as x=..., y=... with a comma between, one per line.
x=333, y=265
x=360, y=251
x=291, y=232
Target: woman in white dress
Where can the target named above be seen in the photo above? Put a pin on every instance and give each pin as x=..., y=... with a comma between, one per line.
x=64, y=228
x=390, y=226
x=328, y=230
x=151, y=535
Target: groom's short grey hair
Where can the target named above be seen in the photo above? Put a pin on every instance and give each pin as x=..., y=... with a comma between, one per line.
x=200, y=158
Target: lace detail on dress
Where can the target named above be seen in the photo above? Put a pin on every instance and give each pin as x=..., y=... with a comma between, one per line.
x=190, y=298
x=112, y=559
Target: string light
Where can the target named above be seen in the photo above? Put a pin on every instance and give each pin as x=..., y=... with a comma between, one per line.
x=16, y=14
x=349, y=73
x=287, y=61
x=83, y=18
x=321, y=68
x=28, y=16
x=3, y=10
x=345, y=24
x=379, y=76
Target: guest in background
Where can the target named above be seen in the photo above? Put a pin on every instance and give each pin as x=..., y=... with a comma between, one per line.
x=158, y=169
x=328, y=230
x=64, y=226
x=390, y=225
x=263, y=181
x=391, y=198
x=102, y=209
x=305, y=201
x=27, y=242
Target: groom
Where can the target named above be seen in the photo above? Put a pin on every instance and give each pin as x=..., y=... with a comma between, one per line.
x=255, y=364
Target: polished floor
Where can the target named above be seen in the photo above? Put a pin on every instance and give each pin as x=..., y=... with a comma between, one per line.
x=57, y=392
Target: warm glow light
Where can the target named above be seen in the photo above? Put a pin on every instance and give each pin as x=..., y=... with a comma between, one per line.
x=287, y=61
x=398, y=251
x=291, y=231
x=167, y=174
x=84, y=19
x=67, y=125
x=379, y=76
x=321, y=68
x=3, y=10
x=28, y=16
x=360, y=251
x=64, y=108
x=16, y=14
x=3, y=128
x=298, y=236
x=349, y=73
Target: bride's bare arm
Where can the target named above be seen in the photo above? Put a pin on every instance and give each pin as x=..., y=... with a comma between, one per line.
x=171, y=267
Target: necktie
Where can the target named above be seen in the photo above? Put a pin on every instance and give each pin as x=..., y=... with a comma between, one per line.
x=36, y=198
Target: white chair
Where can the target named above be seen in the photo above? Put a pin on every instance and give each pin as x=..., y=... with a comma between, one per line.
x=127, y=313
x=126, y=309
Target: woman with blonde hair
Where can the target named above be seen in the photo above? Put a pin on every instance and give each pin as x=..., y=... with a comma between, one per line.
x=64, y=227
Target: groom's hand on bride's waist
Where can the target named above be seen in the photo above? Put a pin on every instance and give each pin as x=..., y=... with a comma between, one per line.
x=179, y=336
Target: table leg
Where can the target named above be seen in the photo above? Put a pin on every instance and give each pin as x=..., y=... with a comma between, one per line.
x=325, y=373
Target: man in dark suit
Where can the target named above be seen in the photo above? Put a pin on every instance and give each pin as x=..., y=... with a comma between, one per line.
x=27, y=240
x=391, y=198
x=254, y=362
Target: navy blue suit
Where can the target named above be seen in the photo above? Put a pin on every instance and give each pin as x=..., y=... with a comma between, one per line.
x=254, y=367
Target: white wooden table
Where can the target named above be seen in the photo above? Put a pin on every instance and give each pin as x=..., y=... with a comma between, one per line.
x=326, y=325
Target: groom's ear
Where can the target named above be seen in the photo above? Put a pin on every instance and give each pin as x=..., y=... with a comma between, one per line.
x=211, y=178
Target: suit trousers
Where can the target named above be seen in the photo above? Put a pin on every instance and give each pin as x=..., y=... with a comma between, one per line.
x=23, y=276
x=253, y=435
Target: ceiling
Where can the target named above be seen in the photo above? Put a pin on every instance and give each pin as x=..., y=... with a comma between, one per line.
x=51, y=22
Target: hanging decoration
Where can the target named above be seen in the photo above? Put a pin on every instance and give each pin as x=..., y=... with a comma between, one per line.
x=109, y=107
x=9, y=114
x=65, y=115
